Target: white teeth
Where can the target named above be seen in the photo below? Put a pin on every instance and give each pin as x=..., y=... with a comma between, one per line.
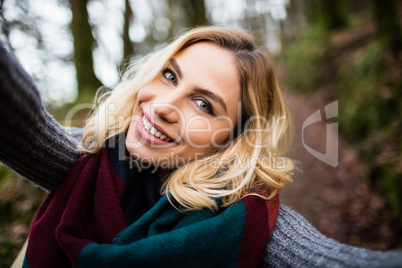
x=153, y=130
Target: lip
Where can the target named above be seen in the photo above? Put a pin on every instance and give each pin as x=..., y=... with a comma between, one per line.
x=148, y=137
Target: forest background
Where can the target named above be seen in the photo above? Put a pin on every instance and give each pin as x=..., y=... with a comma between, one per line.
x=325, y=51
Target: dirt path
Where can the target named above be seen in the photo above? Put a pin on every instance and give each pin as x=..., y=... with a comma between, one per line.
x=334, y=199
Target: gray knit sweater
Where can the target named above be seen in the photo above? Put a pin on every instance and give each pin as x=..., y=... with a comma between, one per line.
x=34, y=145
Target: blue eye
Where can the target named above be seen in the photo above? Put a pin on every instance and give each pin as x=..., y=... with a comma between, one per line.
x=204, y=106
x=170, y=76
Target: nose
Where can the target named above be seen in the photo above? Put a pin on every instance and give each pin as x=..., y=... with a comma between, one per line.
x=168, y=107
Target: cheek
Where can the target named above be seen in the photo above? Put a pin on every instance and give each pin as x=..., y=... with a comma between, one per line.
x=142, y=94
x=204, y=134
x=147, y=92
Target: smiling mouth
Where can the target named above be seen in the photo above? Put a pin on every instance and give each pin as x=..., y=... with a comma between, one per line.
x=153, y=131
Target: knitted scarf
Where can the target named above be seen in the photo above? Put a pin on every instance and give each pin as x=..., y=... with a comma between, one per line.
x=84, y=223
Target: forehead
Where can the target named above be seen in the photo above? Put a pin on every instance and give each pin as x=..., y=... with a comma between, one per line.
x=211, y=67
x=207, y=53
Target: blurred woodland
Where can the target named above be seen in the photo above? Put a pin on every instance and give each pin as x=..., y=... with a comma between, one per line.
x=325, y=51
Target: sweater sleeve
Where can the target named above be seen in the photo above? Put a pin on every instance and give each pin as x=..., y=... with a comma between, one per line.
x=296, y=243
x=32, y=143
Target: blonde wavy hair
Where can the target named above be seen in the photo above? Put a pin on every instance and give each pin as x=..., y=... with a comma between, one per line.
x=251, y=164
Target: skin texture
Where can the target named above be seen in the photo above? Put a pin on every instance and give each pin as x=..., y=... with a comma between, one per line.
x=194, y=102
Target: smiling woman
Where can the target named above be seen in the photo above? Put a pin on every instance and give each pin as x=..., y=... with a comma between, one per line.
x=188, y=106
x=207, y=114
x=209, y=109
x=179, y=165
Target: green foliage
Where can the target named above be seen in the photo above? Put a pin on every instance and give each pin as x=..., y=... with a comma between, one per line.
x=357, y=86
x=302, y=60
x=388, y=28
x=19, y=199
x=8, y=247
x=371, y=118
x=333, y=15
x=5, y=174
x=365, y=77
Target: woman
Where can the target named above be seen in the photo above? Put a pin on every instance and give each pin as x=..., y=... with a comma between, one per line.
x=204, y=112
x=210, y=95
x=213, y=212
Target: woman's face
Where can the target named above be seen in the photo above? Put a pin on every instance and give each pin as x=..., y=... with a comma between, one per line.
x=188, y=110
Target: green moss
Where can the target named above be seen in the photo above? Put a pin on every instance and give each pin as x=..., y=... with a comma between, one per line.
x=359, y=96
x=8, y=247
x=366, y=81
x=302, y=60
x=371, y=119
x=5, y=175
x=19, y=200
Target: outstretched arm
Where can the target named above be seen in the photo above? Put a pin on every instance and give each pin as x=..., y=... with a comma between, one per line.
x=296, y=243
x=37, y=147
x=32, y=143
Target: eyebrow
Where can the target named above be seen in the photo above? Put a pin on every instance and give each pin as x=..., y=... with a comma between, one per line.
x=176, y=67
x=205, y=92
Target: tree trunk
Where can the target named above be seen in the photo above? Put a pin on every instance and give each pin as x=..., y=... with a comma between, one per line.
x=128, y=46
x=83, y=44
x=387, y=25
x=333, y=14
x=185, y=14
x=5, y=30
x=196, y=13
